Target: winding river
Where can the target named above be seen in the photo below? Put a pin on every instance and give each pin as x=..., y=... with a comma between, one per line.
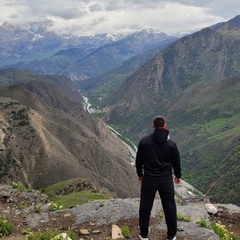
x=131, y=148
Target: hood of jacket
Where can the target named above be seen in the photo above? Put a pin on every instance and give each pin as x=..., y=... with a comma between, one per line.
x=160, y=135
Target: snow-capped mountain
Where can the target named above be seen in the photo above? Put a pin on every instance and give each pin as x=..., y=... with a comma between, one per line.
x=36, y=46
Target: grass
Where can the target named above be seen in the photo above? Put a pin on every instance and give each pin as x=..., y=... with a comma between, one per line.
x=55, y=188
x=78, y=198
x=180, y=217
x=73, y=199
x=6, y=228
x=183, y=218
x=126, y=231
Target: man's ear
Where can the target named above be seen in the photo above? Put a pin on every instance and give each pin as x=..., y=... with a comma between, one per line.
x=153, y=125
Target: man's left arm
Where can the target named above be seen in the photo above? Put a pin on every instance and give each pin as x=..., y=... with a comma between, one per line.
x=139, y=161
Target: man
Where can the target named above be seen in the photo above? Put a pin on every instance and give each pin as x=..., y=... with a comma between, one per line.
x=157, y=155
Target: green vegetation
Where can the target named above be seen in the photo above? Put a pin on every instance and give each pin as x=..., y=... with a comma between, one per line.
x=59, y=201
x=79, y=198
x=18, y=186
x=183, y=218
x=179, y=217
x=50, y=235
x=24, y=205
x=26, y=231
x=222, y=232
x=6, y=228
x=55, y=206
x=203, y=223
x=37, y=208
x=219, y=229
x=161, y=214
x=126, y=231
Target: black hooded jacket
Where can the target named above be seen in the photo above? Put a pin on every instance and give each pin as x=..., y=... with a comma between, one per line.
x=157, y=155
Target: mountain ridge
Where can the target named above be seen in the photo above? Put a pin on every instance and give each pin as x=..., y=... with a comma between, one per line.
x=37, y=48
x=180, y=83
x=46, y=136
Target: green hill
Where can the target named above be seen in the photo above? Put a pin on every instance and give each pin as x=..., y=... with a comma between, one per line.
x=194, y=83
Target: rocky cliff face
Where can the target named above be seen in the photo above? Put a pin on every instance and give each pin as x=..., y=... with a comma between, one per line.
x=47, y=137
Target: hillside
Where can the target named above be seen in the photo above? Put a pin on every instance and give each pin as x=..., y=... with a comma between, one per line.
x=205, y=124
x=100, y=86
x=208, y=133
x=46, y=136
x=206, y=56
x=195, y=84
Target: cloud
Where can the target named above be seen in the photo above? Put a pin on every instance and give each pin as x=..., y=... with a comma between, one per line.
x=95, y=7
x=95, y=16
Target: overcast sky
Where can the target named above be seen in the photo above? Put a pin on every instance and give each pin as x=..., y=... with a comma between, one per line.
x=89, y=17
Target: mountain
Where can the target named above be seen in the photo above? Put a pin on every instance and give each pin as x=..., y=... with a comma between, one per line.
x=194, y=83
x=102, y=85
x=46, y=136
x=77, y=57
x=98, y=60
x=205, y=123
x=206, y=56
x=38, y=41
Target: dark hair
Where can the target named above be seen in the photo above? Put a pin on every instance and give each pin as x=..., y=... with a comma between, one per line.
x=159, y=121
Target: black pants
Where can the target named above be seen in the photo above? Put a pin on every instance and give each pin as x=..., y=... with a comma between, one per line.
x=164, y=186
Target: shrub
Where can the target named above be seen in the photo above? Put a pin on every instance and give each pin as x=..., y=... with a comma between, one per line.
x=125, y=231
x=72, y=235
x=37, y=208
x=202, y=223
x=5, y=227
x=55, y=206
x=18, y=186
x=222, y=232
x=161, y=214
x=182, y=218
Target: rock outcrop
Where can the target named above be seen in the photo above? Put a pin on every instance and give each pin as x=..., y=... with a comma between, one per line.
x=98, y=217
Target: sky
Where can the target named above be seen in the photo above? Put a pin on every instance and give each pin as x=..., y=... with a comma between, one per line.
x=90, y=17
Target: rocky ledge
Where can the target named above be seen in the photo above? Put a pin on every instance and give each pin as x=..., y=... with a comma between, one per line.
x=95, y=220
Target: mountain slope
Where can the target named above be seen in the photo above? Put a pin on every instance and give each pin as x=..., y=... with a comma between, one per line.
x=47, y=137
x=207, y=130
x=205, y=124
x=97, y=88
x=195, y=84
x=204, y=57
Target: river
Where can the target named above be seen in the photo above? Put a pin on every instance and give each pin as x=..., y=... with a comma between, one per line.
x=132, y=149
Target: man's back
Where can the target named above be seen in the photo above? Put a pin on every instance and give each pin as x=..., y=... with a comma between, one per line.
x=158, y=153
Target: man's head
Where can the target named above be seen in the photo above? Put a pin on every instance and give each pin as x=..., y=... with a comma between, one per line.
x=159, y=122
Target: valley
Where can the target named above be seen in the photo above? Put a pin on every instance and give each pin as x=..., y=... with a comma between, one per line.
x=193, y=81
x=183, y=190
